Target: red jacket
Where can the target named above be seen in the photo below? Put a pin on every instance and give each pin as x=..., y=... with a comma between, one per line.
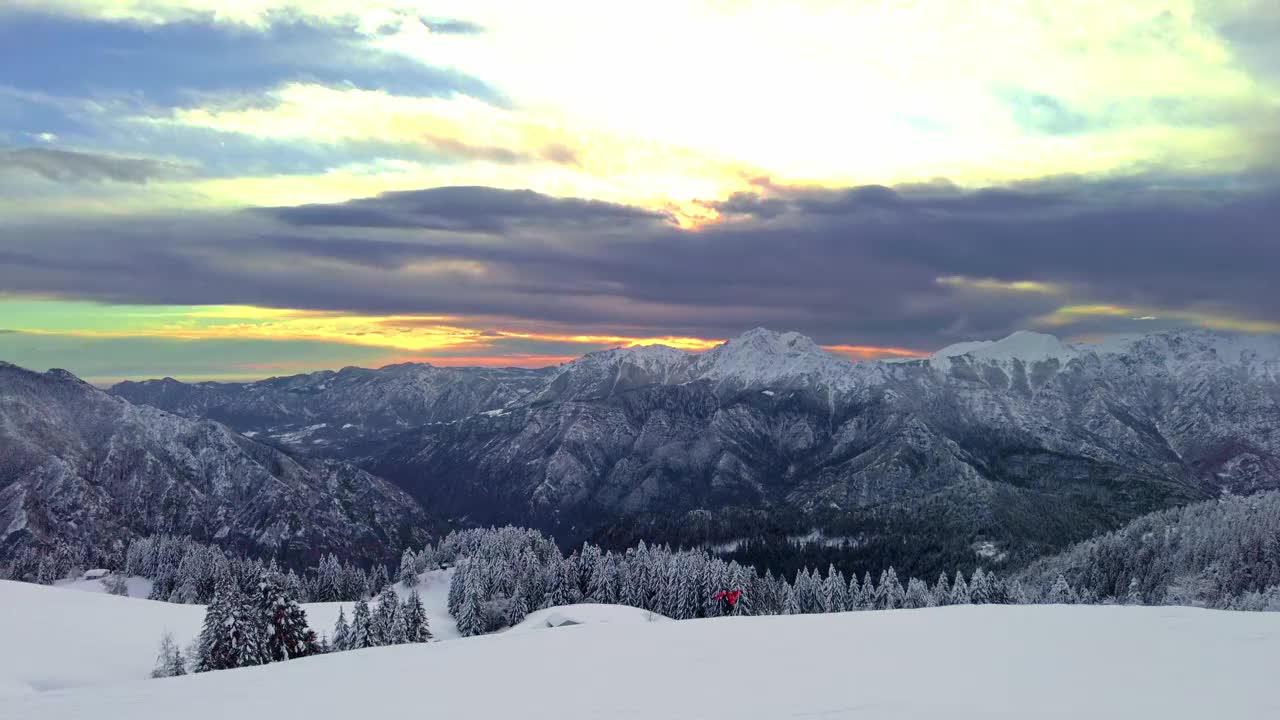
x=729, y=595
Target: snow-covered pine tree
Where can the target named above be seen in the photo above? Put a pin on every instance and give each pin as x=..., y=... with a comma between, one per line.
x=408, y=568
x=942, y=591
x=398, y=632
x=169, y=661
x=382, y=628
x=853, y=595
x=233, y=633
x=959, y=590
x=979, y=588
x=517, y=606
x=918, y=595
x=889, y=594
x=287, y=634
x=565, y=590
x=867, y=593
x=360, y=636
x=833, y=591
x=470, y=618
x=456, y=586
x=341, y=633
x=1060, y=593
x=377, y=580
x=417, y=626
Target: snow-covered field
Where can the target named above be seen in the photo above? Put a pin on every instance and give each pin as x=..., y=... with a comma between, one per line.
x=51, y=638
x=959, y=663
x=586, y=614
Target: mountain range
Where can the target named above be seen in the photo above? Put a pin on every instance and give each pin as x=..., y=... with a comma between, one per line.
x=996, y=450
x=82, y=466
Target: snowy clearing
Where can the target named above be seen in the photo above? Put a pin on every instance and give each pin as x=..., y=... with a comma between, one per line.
x=586, y=614
x=960, y=663
x=74, y=639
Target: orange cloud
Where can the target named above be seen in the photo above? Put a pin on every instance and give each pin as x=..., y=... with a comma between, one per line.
x=496, y=361
x=873, y=352
x=682, y=343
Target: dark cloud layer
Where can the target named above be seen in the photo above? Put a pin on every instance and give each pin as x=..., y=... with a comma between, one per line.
x=73, y=166
x=481, y=209
x=858, y=264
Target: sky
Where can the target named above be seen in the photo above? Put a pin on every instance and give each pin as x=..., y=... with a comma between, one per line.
x=232, y=189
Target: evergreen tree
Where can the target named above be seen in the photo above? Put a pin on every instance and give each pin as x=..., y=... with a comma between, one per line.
x=918, y=595
x=890, y=593
x=378, y=579
x=341, y=633
x=979, y=588
x=417, y=626
x=1060, y=593
x=233, y=633
x=287, y=634
x=382, y=626
x=941, y=591
x=867, y=593
x=360, y=636
x=517, y=606
x=398, y=632
x=959, y=590
x=408, y=569
x=470, y=619
x=169, y=662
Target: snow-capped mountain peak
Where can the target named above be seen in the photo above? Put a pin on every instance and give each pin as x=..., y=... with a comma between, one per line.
x=1022, y=345
x=762, y=357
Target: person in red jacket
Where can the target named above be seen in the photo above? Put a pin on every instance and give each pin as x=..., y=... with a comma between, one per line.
x=728, y=600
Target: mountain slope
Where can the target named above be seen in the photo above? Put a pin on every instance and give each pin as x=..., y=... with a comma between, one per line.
x=1219, y=553
x=83, y=466
x=1027, y=443
x=334, y=409
x=993, y=449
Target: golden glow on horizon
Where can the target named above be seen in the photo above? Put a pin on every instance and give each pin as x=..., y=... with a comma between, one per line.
x=874, y=352
x=680, y=343
x=1072, y=314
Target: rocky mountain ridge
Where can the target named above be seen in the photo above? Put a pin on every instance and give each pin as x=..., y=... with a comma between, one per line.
x=82, y=466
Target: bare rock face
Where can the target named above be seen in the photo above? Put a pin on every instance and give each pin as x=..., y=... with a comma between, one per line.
x=79, y=465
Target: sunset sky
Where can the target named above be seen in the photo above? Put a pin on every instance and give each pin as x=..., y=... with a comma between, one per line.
x=232, y=189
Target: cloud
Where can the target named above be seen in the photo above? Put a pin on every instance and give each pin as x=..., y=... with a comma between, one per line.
x=254, y=14
x=172, y=64
x=68, y=166
x=478, y=209
x=856, y=266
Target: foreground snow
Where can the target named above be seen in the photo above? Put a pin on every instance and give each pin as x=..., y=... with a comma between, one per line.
x=53, y=638
x=958, y=663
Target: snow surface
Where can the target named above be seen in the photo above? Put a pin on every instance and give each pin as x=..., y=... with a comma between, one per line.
x=586, y=614
x=960, y=663
x=138, y=587
x=74, y=639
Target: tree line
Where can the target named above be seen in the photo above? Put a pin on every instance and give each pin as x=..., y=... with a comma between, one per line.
x=502, y=574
